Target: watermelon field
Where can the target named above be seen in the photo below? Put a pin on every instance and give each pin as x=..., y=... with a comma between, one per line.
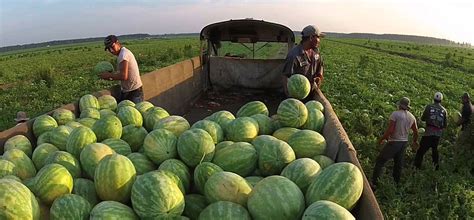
x=363, y=81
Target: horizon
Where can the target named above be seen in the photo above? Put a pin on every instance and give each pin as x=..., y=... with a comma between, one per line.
x=51, y=20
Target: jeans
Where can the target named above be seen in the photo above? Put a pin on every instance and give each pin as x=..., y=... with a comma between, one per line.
x=135, y=96
x=395, y=150
x=426, y=143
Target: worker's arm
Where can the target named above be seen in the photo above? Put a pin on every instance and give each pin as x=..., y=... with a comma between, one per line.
x=388, y=132
x=319, y=73
x=121, y=75
x=414, y=128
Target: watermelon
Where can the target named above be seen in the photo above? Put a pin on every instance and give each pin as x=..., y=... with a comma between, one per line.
x=114, y=177
x=134, y=136
x=173, y=123
x=143, y=107
x=88, y=122
x=106, y=112
x=180, y=170
x=91, y=155
x=59, y=136
x=141, y=163
x=285, y=133
x=43, y=138
x=86, y=189
x=63, y=116
x=70, y=206
x=52, y=181
x=155, y=195
x=307, y=143
x=40, y=154
x=242, y=129
x=202, y=172
x=124, y=103
x=194, y=204
x=326, y=210
x=346, y=192
x=112, y=210
x=212, y=128
x=223, y=144
x=195, y=146
x=153, y=115
x=175, y=178
x=274, y=155
x=262, y=140
x=223, y=118
x=74, y=124
x=253, y=180
x=43, y=124
x=276, y=197
x=12, y=177
x=240, y=158
x=67, y=160
x=224, y=210
x=118, y=145
x=264, y=124
x=275, y=122
x=107, y=102
x=313, y=104
x=24, y=166
x=298, y=86
x=130, y=116
x=160, y=145
x=103, y=66
x=315, y=120
x=292, y=113
x=302, y=172
x=108, y=127
x=252, y=108
x=7, y=168
x=17, y=201
x=227, y=186
x=78, y=139
x=19, y=142
x=323, y=161
x=88, y=101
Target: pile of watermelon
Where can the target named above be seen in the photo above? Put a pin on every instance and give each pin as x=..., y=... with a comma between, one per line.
x=136, y=161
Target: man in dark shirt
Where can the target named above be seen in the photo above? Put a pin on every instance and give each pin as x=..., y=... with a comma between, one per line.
x=305, y=59
x=465, y=141
x=466, y=111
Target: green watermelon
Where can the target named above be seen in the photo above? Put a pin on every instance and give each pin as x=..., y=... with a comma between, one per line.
x=194, y=204
x=40, y=154
x=179, y=169
x=88, y=101
x=285, y=133
x=143, y=107
x=24, y=166
x=326, y=210
x=107, y=102
x=227, y=186
x=12, y=177
x=130, y=116
x=118, y=145
x=7, y=168
x=253, y=180
x=70, y=206
x=298, y=86
x=19, y=142
x=276, y=197
x=114, y=177
x=212, y=128
x=106, y=112
x=224, y=210
x=52, y=181
x=141, y=163
x=195, y=146
x=173, y=123
x=74, y=124
x=134, y=136
x=124, y=103
x=103, y=66
x=78, y=139
x=160, y=145
x=313, y=104
x=252, y=108
x=108, y=127
x=307, y=143
x=90, y=113
x=59, y=136
x=262, y=140
x=242, y=129
x=240, y=158
x=276, y=124
x=302, y=172
x=67, y=160
x=223, y=144
x=292, y=113
x=112, y=210
x=63, y=116
x=88, y=122
x=315, y=120
x=175, y=178
x=202, y=172
x=223, y=118
x=323, y=160
x=274, y=155
x=153, y=115
x=91, y=155
x=43, y=138
x=264, y=124
x=86, y=189
x=341, y=183
x=43, y=124
x=17, y=202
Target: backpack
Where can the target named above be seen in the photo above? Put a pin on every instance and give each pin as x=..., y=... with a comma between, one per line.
x=436, y=116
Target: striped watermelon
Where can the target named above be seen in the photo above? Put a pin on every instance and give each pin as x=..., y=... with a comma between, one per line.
x=144, y=106
x=223, y=118
x=92, y=155
x=262, y=140
x=70, y=206
x=323, y=161
x=88, y=122
x=90, y=113
x=175, y=178
x=107, y=102
x=179, y=169
x=173, y=123
x=194, y=204
x=276, y=197
x=88, y=101
x=12, y=177
x=153, y=115
x=274, y=155
x=112, y=210
x=106, y=112
x=276, y=124
x=108, y=127
x=298, y=86
x=160, y=145
x=307, y=143
x=315, y=120
x=264, y=124
x=202, y=173
x=7, y=168
x=124, y=103
x=59, y=136
x=86, y=189
x=313, y=104
x=242, y=129
x=141, y=163
x=63, y=116
x=130, y=116
x=227, y=186
x=253, y=180
x=43, y=124
x=19, y=142
x=292, y=113
x=195, y=146
x=346, y=192
x=252, y=108
x=114, y=177
x=326, y=210
x=17, y=202
x=67, y=160
x=134, y=136
x=118, y=145
x=224, y=210
x=52, y=181
x=285, y=133
x=302, y=172
x=155, y=195
x=240, y=158
x=78, y=139
x=24, y=166
x=43, y=138
x=223, y=144
x=212, y=128
x=74, y=124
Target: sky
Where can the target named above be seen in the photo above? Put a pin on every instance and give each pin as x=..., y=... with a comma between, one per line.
x=34, y=21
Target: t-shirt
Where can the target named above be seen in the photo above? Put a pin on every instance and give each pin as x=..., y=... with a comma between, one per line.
x=134, y=81
x=298, y=62
x=403, y=121
x=467, y=109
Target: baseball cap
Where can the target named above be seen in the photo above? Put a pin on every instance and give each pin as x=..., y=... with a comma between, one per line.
x=109, y=41
x=312, y=30
x=438, y=96
x=404, y=103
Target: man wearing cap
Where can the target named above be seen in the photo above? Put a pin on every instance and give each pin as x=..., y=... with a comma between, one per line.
x=465, y=142
x=397, y=136
x=435, y=116
x=21, y=117
x=128, y=73
x=305, y=59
